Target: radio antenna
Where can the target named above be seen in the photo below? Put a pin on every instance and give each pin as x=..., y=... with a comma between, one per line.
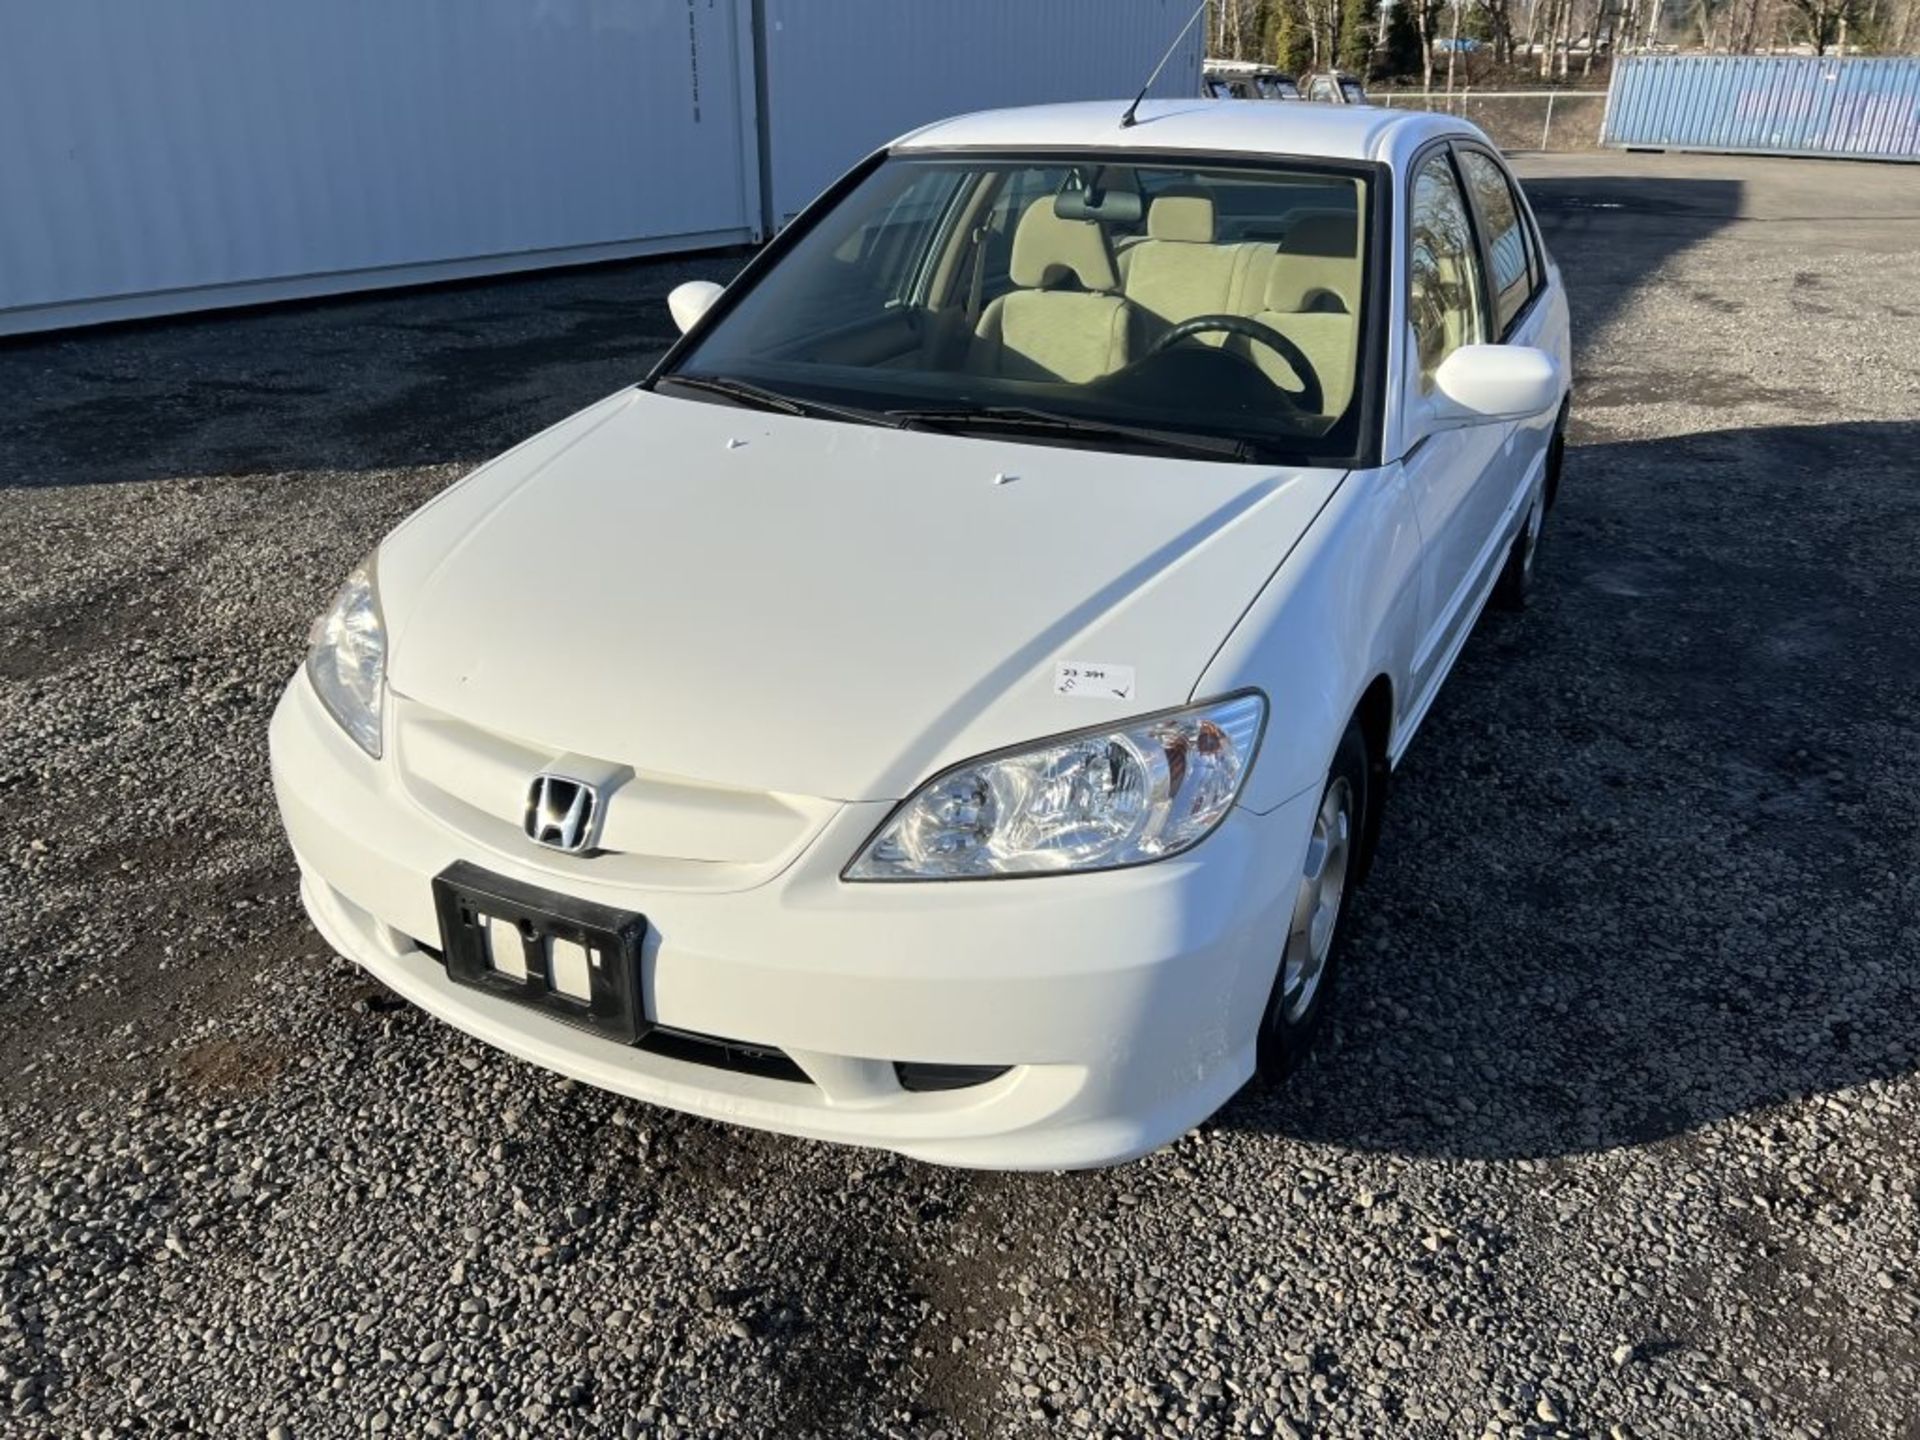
x=1129, y=118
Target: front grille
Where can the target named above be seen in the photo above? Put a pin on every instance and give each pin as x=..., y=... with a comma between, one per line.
x=653, y=831
x=922, y=1078
x=689, y=1045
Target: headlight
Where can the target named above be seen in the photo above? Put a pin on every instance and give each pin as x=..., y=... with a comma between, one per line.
x=347, y=658
x=1090, y=801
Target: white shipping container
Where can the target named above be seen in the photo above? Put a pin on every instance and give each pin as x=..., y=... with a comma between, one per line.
x=158, y=157
x=843, y=77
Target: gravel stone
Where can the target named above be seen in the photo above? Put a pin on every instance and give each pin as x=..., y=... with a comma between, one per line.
x=1624, y=1061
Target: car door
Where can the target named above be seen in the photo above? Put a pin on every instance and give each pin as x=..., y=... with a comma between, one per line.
x=1454, y=476
x=1516, y=280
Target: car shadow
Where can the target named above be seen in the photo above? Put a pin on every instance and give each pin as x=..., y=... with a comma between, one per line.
x=1651, y=862
x=446, y=375
x=451, y=375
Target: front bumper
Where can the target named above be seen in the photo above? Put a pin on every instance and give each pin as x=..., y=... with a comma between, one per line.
x=1125, y=1003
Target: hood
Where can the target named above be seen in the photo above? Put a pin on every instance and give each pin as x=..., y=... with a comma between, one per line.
x=825, y=609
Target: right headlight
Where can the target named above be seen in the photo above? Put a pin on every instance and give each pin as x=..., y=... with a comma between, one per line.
x=1096, y=800
x=347, y=658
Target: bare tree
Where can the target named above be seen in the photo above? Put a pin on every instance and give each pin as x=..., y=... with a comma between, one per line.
x=1453, y=44
x=1499, y=15
x=1550, y=27
x=1234, y=23
x=1426, y=14
x=1825, y=21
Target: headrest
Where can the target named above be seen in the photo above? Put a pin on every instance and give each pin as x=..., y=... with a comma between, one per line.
x=1047, y=249
x=1318, y=267
x=1327, y=233
x=1182, y=215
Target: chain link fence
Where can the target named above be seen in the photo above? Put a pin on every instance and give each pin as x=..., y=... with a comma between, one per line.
x=1515, y=119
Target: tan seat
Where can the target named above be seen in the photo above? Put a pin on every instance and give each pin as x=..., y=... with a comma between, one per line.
x=1043, y=331
x=1312, y=298
x=1177, y=271
x=1318, y=267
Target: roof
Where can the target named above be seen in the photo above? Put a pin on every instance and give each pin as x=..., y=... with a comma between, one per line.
x=1241, y=67
x=1251, y=127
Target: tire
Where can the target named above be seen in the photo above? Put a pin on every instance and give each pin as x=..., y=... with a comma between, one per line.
x=1515, y=585
x=1316, y=933
x=1556, y=456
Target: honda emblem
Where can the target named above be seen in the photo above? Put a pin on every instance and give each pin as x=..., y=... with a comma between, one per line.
x=561, y=813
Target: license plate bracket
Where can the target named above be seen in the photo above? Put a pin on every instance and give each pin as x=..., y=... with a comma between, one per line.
x=579, y=961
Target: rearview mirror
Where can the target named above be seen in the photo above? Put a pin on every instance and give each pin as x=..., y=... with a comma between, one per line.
x=1480, y=384
x=1118, y=207
x=688, y=302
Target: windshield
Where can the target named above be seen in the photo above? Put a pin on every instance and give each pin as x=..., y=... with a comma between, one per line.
x=1216, y=303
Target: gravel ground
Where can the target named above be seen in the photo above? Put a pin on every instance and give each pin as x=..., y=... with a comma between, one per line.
x=1615, y=1131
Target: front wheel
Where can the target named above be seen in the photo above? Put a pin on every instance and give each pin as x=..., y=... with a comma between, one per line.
x=1515, y=585
x=1310, y=956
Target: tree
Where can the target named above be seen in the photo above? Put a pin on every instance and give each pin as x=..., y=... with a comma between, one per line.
x=1498, y=25
x=1403, y=39
x=1289, y=40
x=1356, y=36
x=1824, y=20
x=1426, y=15
x=1237, y=27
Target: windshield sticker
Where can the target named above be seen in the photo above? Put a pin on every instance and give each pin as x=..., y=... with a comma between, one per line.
x=1090, y=680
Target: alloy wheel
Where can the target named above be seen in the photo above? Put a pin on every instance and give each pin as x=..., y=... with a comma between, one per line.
x=1316, y=910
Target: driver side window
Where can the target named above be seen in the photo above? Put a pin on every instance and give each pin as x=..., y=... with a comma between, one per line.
x=1445, y=286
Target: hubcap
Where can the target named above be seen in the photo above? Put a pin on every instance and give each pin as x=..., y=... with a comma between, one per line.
x=1323, y=884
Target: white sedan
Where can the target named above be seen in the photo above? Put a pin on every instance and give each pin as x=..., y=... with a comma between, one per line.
x=948, y=704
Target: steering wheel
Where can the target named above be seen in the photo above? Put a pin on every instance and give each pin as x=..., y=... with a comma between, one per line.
x=1309, y=396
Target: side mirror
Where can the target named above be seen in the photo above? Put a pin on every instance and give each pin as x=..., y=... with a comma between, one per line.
x=1480, y=384
x=688, y=302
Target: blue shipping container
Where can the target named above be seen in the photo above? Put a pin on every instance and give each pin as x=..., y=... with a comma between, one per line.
x=1864, y=109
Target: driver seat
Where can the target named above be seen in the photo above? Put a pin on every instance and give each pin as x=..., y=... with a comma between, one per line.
x=1178, y=270
x=1311, y=296
x=1044, y=331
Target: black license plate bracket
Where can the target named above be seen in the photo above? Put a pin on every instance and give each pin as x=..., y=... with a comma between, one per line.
x=579, y=961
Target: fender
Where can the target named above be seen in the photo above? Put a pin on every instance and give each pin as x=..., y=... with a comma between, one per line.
x=1343, y=610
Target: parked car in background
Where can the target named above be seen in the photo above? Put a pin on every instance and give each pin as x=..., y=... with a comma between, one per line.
x=1336, y=87
x=949, y=703
x=1243, y=80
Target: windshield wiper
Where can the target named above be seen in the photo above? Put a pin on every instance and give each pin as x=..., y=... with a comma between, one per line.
x=1049, y=422
x=758, y=397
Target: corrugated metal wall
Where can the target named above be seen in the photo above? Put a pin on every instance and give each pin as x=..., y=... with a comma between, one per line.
x=165, y=156
x=1767, y=104
x=158, y=156
x=845, y=76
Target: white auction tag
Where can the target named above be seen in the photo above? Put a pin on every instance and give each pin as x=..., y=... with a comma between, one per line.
x=1090, y=680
